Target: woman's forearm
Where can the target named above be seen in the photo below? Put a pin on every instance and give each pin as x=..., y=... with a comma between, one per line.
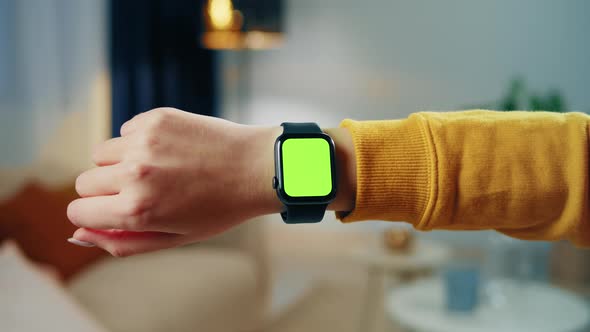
x=174, y=177
x=522, y=173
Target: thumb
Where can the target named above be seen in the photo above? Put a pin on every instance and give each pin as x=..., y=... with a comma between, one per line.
x=121, y=243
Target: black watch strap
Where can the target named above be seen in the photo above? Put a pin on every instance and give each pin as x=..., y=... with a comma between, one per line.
x=309, y=213
x=297, y=214
x=301, y=128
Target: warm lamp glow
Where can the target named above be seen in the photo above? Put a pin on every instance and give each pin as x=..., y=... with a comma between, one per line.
x=244, y=24
x=232, y=40
x=221, y=13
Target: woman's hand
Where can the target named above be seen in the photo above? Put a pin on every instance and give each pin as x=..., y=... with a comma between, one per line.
x=173, y=178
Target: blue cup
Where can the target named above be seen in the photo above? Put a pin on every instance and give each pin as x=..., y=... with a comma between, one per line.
x=462, y=285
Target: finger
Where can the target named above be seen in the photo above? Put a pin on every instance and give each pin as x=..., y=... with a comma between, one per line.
x=101, y=181
x=110, y=152
x=125, y=243
x=131, y=125
x=106, y=212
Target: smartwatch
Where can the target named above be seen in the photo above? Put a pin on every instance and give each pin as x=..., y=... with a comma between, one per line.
x=305, y=172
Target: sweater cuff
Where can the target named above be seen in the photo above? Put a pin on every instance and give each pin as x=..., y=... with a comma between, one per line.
x=394, y=170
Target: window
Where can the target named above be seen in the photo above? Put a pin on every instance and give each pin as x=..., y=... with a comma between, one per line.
x=8, y=62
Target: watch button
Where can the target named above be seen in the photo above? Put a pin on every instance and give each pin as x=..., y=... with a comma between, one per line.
x=275, y=182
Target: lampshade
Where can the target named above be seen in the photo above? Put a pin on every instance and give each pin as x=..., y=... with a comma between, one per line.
x=242, y=24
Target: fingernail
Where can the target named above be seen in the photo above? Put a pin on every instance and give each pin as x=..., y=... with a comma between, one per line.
x=81, y=243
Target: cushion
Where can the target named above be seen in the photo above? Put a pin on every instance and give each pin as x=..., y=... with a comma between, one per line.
x=183, y=289
x=36, y=219
x=33, y=300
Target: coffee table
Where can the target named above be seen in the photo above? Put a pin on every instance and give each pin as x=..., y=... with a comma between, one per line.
x=532, y=306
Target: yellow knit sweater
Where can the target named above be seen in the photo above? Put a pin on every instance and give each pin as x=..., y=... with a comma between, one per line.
x=524, y=174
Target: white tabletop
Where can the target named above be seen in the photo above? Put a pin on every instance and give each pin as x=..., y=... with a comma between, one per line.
x=532, y=307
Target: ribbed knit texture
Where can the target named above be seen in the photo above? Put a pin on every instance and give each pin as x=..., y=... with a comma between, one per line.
x=390, y=155
x=522, y=173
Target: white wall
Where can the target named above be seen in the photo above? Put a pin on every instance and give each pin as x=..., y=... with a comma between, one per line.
x=376, y=59
x=379, y=59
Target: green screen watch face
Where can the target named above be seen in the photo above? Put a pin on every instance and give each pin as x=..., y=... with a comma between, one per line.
x=306, y=167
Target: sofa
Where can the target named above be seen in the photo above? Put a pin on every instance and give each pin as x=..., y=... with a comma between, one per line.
x=214, y=286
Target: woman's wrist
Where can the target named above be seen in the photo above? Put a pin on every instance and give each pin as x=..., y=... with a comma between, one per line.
x=262, y=163
x=259, y=169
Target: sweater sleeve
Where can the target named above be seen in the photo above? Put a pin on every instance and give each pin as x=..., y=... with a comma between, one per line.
x=524, y=174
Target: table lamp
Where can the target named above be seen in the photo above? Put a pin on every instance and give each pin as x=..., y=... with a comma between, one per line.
x=242, y=24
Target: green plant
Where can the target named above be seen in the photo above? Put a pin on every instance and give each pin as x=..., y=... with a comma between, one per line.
x=518, y=97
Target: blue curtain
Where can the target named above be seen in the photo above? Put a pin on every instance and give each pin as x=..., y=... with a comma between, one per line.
x=157, y=60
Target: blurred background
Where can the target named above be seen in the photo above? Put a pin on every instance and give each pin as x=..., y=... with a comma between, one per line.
x=72, y=71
